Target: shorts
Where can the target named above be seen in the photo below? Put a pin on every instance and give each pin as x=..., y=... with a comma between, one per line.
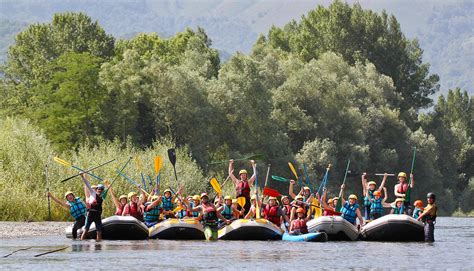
x=94, y=216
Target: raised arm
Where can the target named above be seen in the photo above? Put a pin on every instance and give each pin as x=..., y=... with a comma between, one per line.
x=231, y=172
x=62, y=204
x=254, y=175
x=87, y=186
x=341, y=195
x=114, y=199
x=290, y=190
x=364, y=183
x=382, y=185
x=412, y=180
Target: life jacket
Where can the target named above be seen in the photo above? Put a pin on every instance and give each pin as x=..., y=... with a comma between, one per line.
x=287, y=209
x=119, y=210
x=367, y=199
x=194, y=214
x=151, y=215
x=376, y=206
x=95, y=205
x=227, y=212
x=329, y=212
x=134, y=210
x=77, y=208
x=349, y=212
x=181, y=213
x=167, y=205
x=431, y=217
x=300, y=224
x=271, y=214
x=402, y=188
x=398, y=211
x=243, y=189
x=210, y=214
x=416, y=213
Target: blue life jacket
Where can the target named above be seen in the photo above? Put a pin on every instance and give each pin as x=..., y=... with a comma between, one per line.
x=151, y=215
x=366, y=199
x=181, y=213
x=167, y=204
x=194, y=214
x=376, y=206
x=77, y=208
x=227, y=212
x=416, y=213
x=398, y=211
x=349, y=212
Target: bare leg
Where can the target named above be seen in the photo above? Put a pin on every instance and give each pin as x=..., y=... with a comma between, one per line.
x=99, y=236
x=84, y=234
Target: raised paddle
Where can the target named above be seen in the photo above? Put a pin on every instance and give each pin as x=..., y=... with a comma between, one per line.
x=241, y=201
x=67, y=164
x=139, y=166
x=268, y=173
x=257, y=207
x=306, y=175
x=215, y=184
x=270, y=192
x=280, y=179
x=324, y=180
x=252, y=157
x=131, y=181
x=339, y=202
x=116, y=176
x=408, y=193
x=172, y=157
x=157, y=164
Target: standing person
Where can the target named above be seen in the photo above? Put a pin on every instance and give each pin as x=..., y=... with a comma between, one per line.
x=350, y=209
x=76, y=207
x=273, y=213
x=94, y=200
x=401, y=189
x=429, y=217
x=134, y=206
x=244, y=184
x=368, y=189
x=209, y=215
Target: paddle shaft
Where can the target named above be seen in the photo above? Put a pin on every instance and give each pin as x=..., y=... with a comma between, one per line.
x=344, y=181
x=88, y=171
x=122, y=169
x=306, y=175
x=52, y=251
x=268, y=173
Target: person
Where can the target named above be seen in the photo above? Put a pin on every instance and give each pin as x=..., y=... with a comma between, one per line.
x=134, y=207
x=167, y=204
x=368, y=190
x=398, y=209
x=350, y=209
x=429, y=217
x=152, y=210
x=94, y=200
x=181, y=211
x=305, y=192
x=401, y=189
x=252, y=212
x=298, y=226
x=297, y=203
x=273, y=213
x=228, y=210
x=119, y=203
x=235, y=206
x=77, y=209
x=195, y=202
x=329, y=206
x=244, y=184
x=418, y=209
x=209, y=215
x=377, y=204
x=286, y=205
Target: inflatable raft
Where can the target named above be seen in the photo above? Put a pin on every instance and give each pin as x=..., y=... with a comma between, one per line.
x=178, y=229
x=308, y=237
x=116, y=228
x=251, y=229
x=336, y=227
x=398, y=228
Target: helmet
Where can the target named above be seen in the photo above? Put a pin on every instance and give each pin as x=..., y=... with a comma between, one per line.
x=155, y=197
x=196, y=197
x=377, y=193
x=100, y=186
x=372, y=183
x=204, y=195
x=254, y=197
x=243, y=171
x=418, y=203
x=335, y=198
x=234, y=200
x=402, y=174
x=228, y=198
x=270, y=198
x=306, y=188
x=352, y=196
x=330, y=200
x=167, y=190
x=299, y=197
x=122, y=197
x=431, y=196
x=131, y=194
x=284, y=197
x=94, y=186
x=67, y=193
x=399, y=200
x=300, y=210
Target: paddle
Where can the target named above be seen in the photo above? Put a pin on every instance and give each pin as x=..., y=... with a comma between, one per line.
x=215, y=184
x=352, y=174
x=306, y=175
x=67, y=164
x=280, y=179
x=257, y=207
x=270, y=192
x=266, y=177
x=157, y=164
x=139, y=166
x=178, y=197
x=116, y=176
x=252, y=157
x=339, y=202
x=21, y=249
x=408, y=193
x=49, y=252
x=324, y=180
x=131, y=181
x=241, y=201
x=172, y=157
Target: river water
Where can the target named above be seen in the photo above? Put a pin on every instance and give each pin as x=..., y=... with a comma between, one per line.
x=453, y=249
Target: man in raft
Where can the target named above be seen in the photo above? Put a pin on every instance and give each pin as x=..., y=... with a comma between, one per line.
x=350, y=209
x=401, y=189
x=274, y=213
x=244, y=184
x=368, y=189
x=76, y=207
x=429, y=217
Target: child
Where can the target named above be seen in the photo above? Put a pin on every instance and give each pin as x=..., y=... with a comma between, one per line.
x=377, y=204
x=368, y=190
x=298, y=226
x=76, y=207
x=418, y=209
x=398, y=208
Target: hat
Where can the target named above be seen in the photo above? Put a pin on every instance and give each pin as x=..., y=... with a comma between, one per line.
x=377, y=193
x=372, y=183
x=100, y=186
x=299, y=197
x=254, y=197
x=300, y=210
x=306, y=188
x=270, y=198
x=196, y=197
x=243, y=171
x=131, y=194
x=204, y=195
x=402, y=174
x=399, y=200
x=122, y=197
x=67, y=193
x=352, y=196
x=167, y=190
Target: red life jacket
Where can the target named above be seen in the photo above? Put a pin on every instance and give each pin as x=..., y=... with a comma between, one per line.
x=402, y=188
x=328, y=212
x=119, y=211
x=271, y=214
x=287, y=209
x=210, y=213
x=132, y=209
x=243, y=189
x=300, y=224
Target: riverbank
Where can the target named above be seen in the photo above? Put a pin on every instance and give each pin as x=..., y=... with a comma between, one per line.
x=25, y=229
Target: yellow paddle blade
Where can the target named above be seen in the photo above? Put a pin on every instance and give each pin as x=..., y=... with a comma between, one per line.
x=317, y=211
x=177, y=209
x=62, y=162
x=158, y=164
x=257, y=210
x=293, y=169
x=241, y=201
x=215, y=185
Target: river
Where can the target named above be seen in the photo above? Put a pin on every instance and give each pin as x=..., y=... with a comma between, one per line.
x=453, y=249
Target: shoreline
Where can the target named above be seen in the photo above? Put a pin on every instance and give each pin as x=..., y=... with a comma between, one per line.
x=10, y=229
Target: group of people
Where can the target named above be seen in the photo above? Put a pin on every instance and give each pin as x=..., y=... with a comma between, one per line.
x=292, y=213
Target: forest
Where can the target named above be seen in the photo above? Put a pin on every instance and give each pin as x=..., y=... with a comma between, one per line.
x=342, y=83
